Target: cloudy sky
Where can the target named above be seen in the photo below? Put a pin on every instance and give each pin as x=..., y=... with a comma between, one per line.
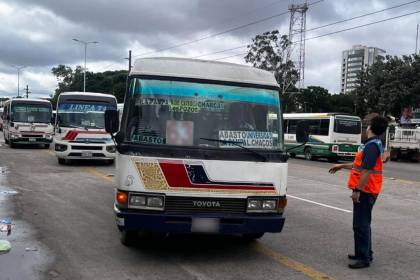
x=38, y=34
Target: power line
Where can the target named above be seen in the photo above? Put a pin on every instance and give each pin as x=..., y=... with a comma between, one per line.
x=221, y=32
x=343, y=30
x=361, y=16
x=319, y=27
x=363, y=25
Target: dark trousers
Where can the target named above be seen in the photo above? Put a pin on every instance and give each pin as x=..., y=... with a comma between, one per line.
x=362, y=217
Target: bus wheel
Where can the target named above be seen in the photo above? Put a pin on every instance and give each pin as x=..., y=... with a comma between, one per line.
x=249, y=237
x=308, y=153
x=333, y=159
x=128, y=237
x=415, y=157
x=61, y=161
x=292, y=155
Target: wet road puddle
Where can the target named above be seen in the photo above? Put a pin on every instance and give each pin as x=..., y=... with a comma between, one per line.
x=22, y=256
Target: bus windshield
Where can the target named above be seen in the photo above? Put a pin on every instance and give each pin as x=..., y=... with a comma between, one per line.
x=347, y=126
x=31, y=113
x=83, y=114
x=179, y=113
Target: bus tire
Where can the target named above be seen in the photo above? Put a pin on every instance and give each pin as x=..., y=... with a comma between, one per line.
x=415, y=157
x=61, y=161
x=292, y=155
x=128, y=237
x=308, y=153
x=250, y=237
x=332, y=159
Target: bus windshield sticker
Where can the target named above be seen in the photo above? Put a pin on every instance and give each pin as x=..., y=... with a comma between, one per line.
x=179, y=133
x=183, y=105
x=138, y=138
x=249, y=139
x=81, y=108
x=31, y=109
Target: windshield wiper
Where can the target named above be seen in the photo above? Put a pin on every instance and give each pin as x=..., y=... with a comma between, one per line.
x=238, y=144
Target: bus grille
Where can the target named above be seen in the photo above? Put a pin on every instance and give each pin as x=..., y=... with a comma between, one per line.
x=199, y=205
x=86, y=148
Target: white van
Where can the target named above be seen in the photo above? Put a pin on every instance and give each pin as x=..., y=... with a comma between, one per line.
x=27, y=121
x=79, y=130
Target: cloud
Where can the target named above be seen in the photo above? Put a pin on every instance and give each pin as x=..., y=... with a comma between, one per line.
x=39, y=33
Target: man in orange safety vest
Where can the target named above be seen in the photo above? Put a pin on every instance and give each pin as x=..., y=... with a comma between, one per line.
x=365, y=181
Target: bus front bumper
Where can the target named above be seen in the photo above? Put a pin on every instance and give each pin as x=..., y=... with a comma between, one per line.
x=160, y=222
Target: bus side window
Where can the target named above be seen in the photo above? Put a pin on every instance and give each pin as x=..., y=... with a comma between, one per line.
x=292, y=126
x=324, y=127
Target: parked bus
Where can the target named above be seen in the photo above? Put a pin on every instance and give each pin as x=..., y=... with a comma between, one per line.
x=332, y=136
x=79, y=129
x=196, y=152
x=27, y=121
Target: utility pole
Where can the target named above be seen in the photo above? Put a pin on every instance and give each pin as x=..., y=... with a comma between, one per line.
x=27, y=91
x=297, y=36
x=84, y=69
x=129, y=59
x=417, y=37
x=18, y=68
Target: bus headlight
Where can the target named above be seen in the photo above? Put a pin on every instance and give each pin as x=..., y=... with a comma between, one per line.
x=111, y=149
x=269, y=204
x=147, y=202
x=60, y=147
x=260, y=205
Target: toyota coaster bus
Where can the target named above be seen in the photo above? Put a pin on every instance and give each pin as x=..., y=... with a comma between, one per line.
x=195, y=151
x=79, y=130
x=332, y=136
x=27, y=121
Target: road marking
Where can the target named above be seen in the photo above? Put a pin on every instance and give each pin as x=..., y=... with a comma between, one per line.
x=320, y=204
x=290, y=263
x=99, y=174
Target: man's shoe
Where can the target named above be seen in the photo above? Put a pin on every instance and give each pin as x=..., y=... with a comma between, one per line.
x=359, y=264
x=354, y=257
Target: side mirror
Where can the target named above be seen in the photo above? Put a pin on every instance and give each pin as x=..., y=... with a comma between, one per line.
x=112, y=122
x=302, y=132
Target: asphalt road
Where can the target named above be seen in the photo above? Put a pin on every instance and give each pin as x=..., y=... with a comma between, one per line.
x=64, y=228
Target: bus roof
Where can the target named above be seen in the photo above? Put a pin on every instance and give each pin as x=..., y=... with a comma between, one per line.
x=27, y=100
x=92, y=96
x=315, y=115
x=203, y=70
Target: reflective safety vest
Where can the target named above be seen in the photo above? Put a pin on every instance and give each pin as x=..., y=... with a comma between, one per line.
x=374, y=183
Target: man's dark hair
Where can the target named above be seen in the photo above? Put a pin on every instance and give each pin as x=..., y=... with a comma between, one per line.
x=378, y=125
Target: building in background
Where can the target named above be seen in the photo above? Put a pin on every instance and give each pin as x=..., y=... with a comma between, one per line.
x=354, y=60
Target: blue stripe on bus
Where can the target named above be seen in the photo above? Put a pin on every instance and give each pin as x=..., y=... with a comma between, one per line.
x=227, y=93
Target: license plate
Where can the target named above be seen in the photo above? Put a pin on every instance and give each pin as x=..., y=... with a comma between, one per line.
x=86, y=154
x=32, y=139
x=205, y=225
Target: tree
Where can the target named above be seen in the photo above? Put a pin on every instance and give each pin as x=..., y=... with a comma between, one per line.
x=268, y=51
x=111, y=82
x=388, y=85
